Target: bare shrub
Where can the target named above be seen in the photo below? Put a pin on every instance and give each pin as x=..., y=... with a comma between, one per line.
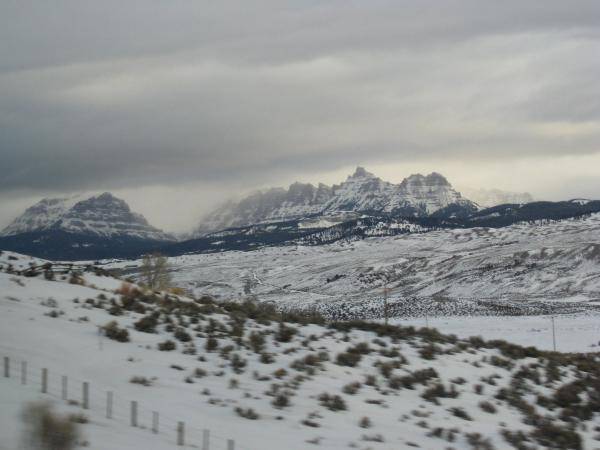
x=155, y=272
x=332, y=402
x=487, y=407
x=47, y=430
x=365, y=422
x=247, y=413
x=112, y=331
x=141, y=380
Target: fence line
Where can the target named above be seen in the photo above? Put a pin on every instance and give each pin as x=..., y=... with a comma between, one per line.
x=55, y=385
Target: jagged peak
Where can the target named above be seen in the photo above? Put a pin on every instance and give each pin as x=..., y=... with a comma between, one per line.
x=360, y=172
x=106, y=196
x=434, y=178
x=361, y=191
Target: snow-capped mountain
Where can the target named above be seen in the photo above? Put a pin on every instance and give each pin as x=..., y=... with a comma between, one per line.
x=275, y=204
x=417, y=196
x=103, y=215
x=41, y=216
x=487, y=198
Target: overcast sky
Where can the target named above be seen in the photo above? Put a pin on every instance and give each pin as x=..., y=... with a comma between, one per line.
x=176, y=105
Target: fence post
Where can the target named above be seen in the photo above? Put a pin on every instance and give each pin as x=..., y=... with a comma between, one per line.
x=23, y=372
x=65, y=387
x=205, y=439
x=6, y=367
x=155, y=422
x=86, y=395
x=44, y=381
x=134, y=407
x=180, y=433
x=109, y=404
x=230, y=444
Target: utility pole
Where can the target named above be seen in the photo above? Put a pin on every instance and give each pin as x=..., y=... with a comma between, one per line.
x=100, y=333
x=385, y=302
x=553, y=334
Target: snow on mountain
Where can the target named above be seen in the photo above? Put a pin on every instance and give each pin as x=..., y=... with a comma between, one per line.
x=487, y=198
x=254, y=376
x=41, y=216
x=362, y=191
x=428, y=193
x=101, y=215
x=275, y=204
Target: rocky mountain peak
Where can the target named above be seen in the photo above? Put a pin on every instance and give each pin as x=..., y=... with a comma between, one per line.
x=101, y=215
x=433, y=179
x=361, y=192
x=360, y=172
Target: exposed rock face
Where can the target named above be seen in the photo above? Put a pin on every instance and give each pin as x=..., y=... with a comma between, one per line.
x=417, y=195
x=428, y=193
x=103, y=215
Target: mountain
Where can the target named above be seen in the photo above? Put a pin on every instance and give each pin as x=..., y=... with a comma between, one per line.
x=102, y=216
x=362, y=192
x=487, y=198
x=276, y=204
x=76, y=228
x=41, y=216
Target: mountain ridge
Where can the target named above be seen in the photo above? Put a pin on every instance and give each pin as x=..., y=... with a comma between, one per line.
x=416, y=196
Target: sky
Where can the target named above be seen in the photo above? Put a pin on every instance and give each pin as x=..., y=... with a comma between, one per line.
x=178, y=105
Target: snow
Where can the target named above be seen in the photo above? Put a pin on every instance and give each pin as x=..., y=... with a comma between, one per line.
x=71, y=345
x=578, y=333
x=458, y=281
x=321, y=223
x=41, y=216
x=460, y=271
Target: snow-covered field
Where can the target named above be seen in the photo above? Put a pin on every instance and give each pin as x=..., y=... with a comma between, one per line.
x=416, y=388
x=573, y=332
x=521, y=269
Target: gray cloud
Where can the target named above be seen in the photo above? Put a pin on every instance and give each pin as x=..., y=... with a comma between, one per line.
x=113, y=95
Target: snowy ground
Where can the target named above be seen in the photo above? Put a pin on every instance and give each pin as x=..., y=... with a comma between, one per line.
x=573, y=332
x=69, y=344
x=522, y=269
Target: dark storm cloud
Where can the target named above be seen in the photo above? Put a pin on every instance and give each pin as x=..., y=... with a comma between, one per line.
x=151, y=92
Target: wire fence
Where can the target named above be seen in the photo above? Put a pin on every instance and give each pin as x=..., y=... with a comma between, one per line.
x=109, y=405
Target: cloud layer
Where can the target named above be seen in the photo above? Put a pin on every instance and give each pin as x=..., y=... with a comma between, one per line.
x=113, y=95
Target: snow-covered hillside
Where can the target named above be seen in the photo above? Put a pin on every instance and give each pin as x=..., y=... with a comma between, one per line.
x=520, y=269
x=417, y=195
x=101, y=215
x=239, y=372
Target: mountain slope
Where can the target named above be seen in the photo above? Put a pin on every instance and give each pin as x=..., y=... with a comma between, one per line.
x=361, y=192
x=518, y=269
